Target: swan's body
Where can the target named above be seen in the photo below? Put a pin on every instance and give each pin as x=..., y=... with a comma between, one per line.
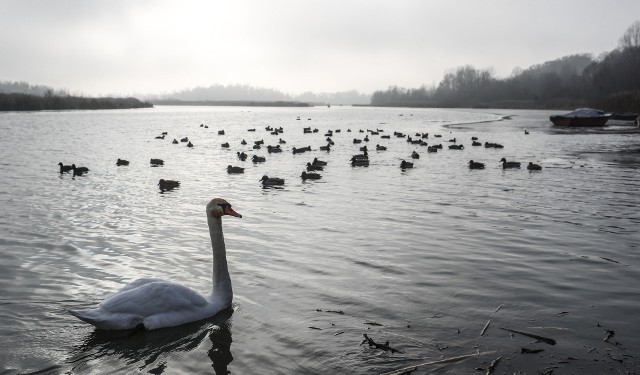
x=155, y=303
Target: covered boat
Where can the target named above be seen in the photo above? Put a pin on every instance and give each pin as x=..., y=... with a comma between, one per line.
x=581, y=117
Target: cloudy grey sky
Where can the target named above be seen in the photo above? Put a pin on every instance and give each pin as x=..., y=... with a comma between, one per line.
x=143, y=46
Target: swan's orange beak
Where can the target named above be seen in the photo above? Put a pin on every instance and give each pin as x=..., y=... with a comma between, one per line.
x=229, y=211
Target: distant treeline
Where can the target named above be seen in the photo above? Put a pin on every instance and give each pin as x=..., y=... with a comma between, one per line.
x=247, y=93
x=50, y=101
x=611, y=82
x=240, y=103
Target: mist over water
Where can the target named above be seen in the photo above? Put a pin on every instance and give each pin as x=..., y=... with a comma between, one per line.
x=429, y=254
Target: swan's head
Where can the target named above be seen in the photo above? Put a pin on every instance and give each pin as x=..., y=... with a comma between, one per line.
x=218, y=207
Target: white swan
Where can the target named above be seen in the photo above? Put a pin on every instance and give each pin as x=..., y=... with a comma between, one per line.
x=154, y=303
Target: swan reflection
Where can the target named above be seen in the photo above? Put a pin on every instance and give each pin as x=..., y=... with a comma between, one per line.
x=155, y=351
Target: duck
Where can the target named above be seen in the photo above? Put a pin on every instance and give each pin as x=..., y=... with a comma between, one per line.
x=476, y=143
x=509, y=164
x=456, y=147
x=258, y=159
x=122, y=162
x=175, y=141
x=415, y=155
x=220, y=132
x=234, y=170
x=326, y=148
x=185, y=139
x=189, y=144
x=282, y=141
x=310, y=176
x=534, y=167
x=243, y=142
x=168, y=184
x=432, y=149
x=319, y=162
x=475, y=165
x=380, y=148
x=151, y=303
x=356, y=140
x=79, y=171
x=526, y=131
x=65, y=168
x=272, y=149
x=271, y=181
x=156, y=162
x=160, y=137
x=225, y=145
x=405, y=164
x=241, y=155
x=313, y=167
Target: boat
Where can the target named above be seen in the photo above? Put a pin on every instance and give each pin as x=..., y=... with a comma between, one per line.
x=582, y=117
x=626, y=116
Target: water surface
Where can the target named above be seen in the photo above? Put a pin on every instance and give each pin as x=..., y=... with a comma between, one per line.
x=430, y=254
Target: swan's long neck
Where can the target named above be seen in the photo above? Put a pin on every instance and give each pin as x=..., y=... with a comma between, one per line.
x=221, y=280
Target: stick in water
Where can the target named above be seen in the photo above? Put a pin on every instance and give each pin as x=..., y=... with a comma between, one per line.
x=546, y=340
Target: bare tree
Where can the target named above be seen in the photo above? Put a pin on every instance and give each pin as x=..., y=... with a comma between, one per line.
x=631, y=37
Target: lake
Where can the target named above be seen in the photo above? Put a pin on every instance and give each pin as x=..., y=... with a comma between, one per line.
x=435, y=260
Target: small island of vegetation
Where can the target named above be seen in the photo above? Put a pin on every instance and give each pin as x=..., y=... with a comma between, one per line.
x=20, y=96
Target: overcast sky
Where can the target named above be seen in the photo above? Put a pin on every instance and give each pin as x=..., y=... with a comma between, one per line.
x=139, y=46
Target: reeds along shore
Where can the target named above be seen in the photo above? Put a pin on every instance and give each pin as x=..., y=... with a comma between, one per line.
x=26, y=102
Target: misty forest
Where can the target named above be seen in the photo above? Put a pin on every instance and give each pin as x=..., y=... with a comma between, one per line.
x=611, y=82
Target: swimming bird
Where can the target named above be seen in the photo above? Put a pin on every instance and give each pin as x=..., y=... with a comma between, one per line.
x=65, y=168
x=475, y=165
x=526, y=131
x=79, y=171
x=534, y=167
x=405, y=164
x=234, y=170
x=310, y=176
x=122, y=162
x=380, y=148
x=456, y=147
x=151, y=303
x=175, y=141
x=509, y=164
x=168, y=184
x=185, y=139
x=314, y=167
x=225, y=145
x=241, y=155
x=273, y=181
x=243, y=142
x=319, y=162
x=476, y=143
x=156, y=162
x=160, y=137
x=189, y=144
x=415, y=155
x=258, y=159
x=220, y=132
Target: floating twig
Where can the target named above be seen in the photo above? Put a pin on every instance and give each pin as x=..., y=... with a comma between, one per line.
x=338, y=333
x=546, y=340
x=498, y=308
x=608, y=334
x=331, y=311
x=485, y=327
x=493, y=365
x=319, y=329
x=384, y=346
x=530, y=351
x=372, y=323
x=407, y=370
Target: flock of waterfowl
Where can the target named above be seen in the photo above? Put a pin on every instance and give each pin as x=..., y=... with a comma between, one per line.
x=311, y=168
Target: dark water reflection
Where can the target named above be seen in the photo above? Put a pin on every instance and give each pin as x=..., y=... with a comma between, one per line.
x=430, y=254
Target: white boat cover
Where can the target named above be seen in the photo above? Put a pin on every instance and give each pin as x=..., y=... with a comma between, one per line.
x=585, y=112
